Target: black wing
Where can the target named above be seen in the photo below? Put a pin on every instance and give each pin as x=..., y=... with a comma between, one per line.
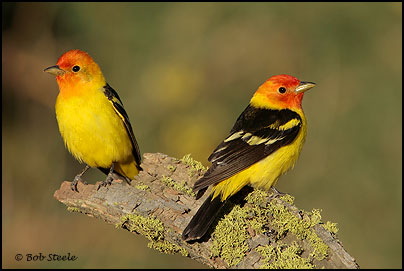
x=113, y=97
x=256, y=134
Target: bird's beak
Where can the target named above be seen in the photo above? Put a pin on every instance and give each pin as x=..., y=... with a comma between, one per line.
x=304, y=86
x=55, y=70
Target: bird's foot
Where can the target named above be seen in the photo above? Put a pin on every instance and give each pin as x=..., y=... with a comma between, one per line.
x=276, y=193
x=108, y=181
x=74, y=183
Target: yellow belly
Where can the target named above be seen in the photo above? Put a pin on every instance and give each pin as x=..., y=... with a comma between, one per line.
x=264, y=173
x=92, y=131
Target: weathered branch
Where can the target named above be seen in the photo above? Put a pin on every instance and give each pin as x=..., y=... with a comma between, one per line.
x=256, y=230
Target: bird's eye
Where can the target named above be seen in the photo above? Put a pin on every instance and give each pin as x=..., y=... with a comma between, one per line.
x=282, y=90
x=76, y=68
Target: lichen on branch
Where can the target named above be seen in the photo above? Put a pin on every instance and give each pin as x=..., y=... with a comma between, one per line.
x=256, y=229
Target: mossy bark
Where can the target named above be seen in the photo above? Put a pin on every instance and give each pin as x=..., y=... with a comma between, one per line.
x=271, y=232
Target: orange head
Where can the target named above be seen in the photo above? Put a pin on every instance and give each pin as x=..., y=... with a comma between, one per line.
x=281, y=92
x=76, y=71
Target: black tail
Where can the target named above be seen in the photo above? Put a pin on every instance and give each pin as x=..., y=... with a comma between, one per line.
x=205, y=216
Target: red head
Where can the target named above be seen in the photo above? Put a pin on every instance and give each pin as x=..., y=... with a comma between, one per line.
x=281, y=91
x=76, y=71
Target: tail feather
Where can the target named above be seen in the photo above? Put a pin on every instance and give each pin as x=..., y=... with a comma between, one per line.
x=203, y=218
x=128, y=169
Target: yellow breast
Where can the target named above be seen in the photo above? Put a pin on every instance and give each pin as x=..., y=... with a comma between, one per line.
x=91, y=129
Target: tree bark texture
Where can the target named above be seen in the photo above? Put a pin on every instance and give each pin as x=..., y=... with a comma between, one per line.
x=257, y=229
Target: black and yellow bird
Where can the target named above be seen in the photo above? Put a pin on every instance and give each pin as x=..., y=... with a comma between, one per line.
x=263, y=144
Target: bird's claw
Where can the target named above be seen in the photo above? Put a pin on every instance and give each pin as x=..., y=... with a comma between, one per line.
x=276, y=193
x=107, y=181
x=74, y=183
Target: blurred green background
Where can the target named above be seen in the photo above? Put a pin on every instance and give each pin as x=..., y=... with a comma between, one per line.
x=185, y=71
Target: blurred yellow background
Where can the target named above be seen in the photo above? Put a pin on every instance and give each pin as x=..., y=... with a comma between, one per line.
x=185, y=71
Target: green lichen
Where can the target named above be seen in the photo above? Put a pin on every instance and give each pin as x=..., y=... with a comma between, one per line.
x=257, y=197
x=73, y=209
x=288, y=198
x=195, y=166
x=284, y=257
x=168, y=248
x=150, y=227
x=320, y=249
x=171, y=168
x=268, y=253
x=230, y=235
x=143, y=187
x=181, y=187
x=257, y=224
x=153, y=229
x=286, y=221
x=331, y=227
x=258, y=211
